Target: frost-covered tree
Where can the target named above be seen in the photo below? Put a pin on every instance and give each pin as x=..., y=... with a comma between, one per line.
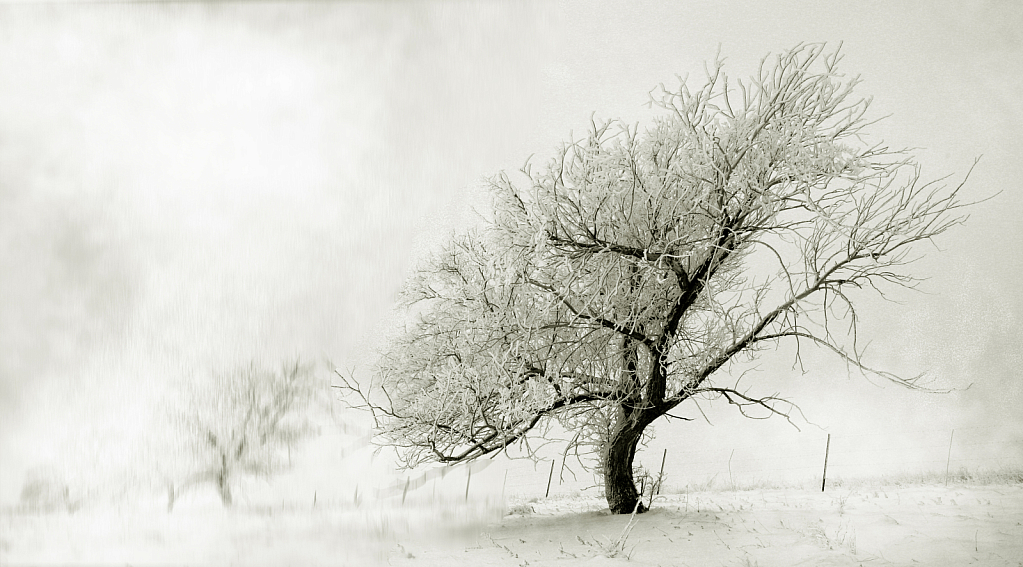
x=624, y=277
x=244, y=421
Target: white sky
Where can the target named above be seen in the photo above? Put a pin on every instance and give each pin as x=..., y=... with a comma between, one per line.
x=185, y=186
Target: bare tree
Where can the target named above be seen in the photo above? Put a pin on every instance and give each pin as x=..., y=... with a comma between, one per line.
x=625, y=277
x=243, y=422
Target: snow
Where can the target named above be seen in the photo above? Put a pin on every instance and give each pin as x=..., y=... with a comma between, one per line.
x=882, y=525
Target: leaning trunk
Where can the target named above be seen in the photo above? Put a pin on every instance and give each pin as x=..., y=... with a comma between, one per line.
x=619, y=486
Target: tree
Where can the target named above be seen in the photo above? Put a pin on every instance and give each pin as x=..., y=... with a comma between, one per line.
x=242, y=421
x=629, y=274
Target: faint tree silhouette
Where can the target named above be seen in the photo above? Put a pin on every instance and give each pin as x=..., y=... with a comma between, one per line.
x=244, y=421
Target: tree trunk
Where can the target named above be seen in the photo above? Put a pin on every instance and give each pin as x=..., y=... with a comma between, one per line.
x=619, y=486
x=225, y=491
x=171, y=496
x=222, y=483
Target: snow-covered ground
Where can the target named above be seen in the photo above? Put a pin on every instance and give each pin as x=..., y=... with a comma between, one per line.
x=883, y=525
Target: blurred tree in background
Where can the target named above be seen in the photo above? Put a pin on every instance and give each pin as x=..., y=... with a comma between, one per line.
x=245, y=422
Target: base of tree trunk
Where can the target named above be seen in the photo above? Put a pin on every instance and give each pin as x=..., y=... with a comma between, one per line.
x=225, y=492
x=619, y=486
x=225, y=497
x=171, y=497
x=638, y=508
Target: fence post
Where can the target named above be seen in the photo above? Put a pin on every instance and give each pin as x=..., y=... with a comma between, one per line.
x=549, y=478
x=730, y=479
x=824, y=477
x=404, y=492
x=467, y=480
x=660, y=475
x=948, y=459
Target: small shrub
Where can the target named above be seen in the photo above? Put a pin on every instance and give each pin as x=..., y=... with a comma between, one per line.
x=44, y=490
x=521, y=510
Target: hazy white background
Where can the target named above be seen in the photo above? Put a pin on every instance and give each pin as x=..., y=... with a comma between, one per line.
x=186, y=186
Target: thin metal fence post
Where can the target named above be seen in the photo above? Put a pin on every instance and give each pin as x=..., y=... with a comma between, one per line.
x=827, y=449
x=549, y=478
x=730, y=479
x=660, y=476
x=948, y=459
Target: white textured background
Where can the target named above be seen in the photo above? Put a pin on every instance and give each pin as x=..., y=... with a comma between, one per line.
x=187, y=185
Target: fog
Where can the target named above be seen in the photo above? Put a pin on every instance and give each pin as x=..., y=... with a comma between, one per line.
x=185, y=187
